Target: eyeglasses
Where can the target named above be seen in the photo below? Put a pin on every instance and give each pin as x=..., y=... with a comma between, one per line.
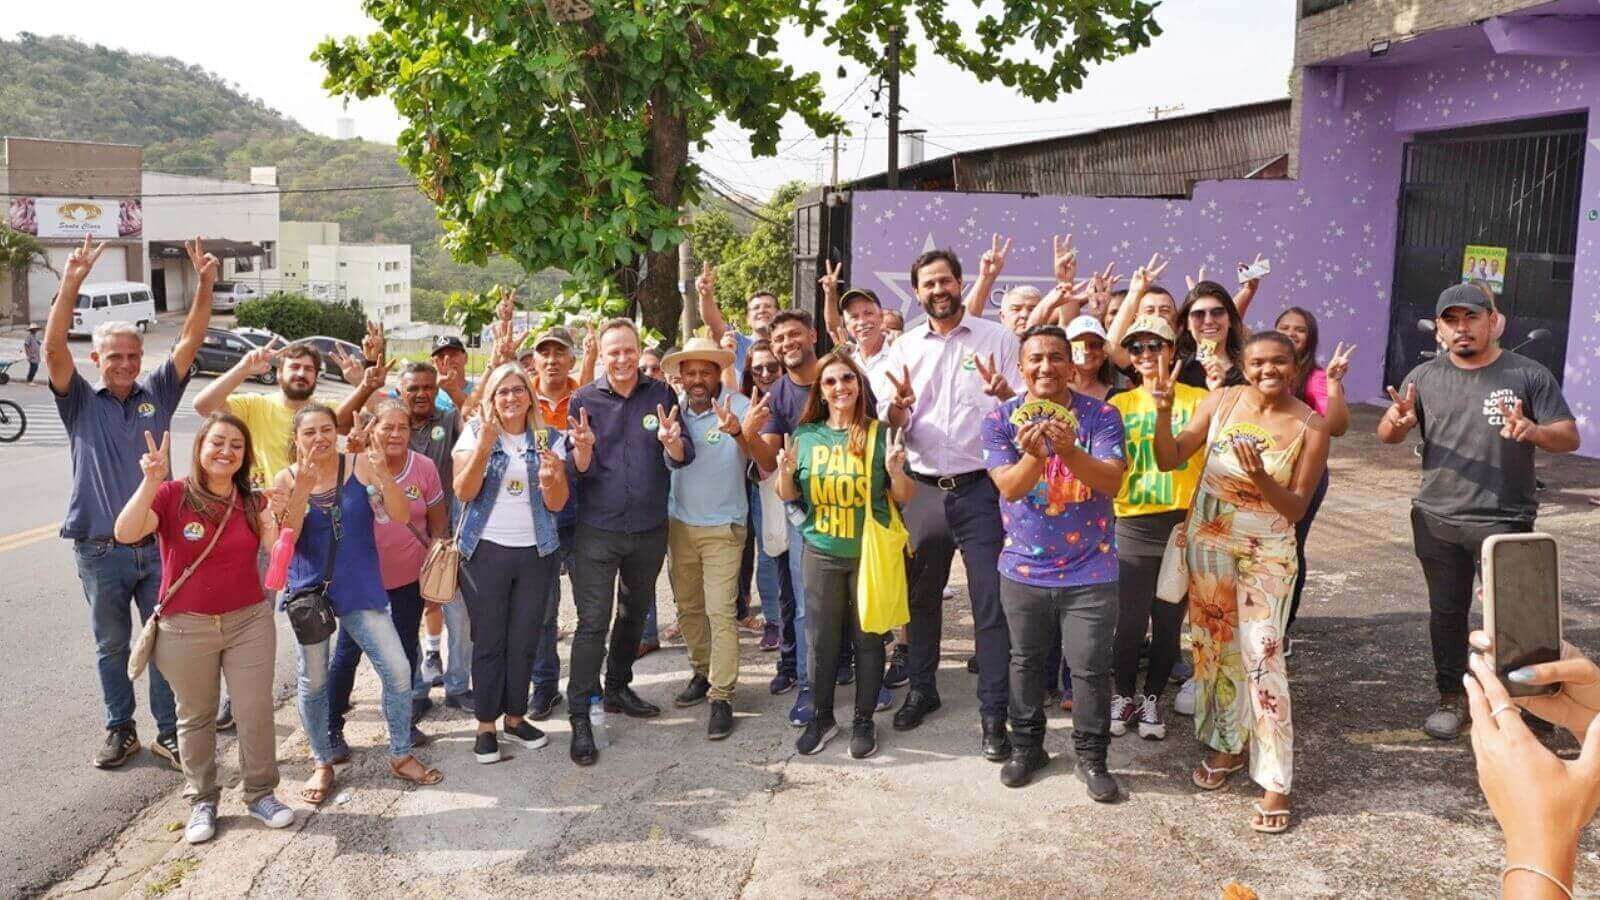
x=846, y=378
x=650, y=370
x=771, y=368
x=1210, y=312
x=1140, y=348
x=509, y=392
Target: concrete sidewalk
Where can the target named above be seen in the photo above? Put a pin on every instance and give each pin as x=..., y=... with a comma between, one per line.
x=1380, y=810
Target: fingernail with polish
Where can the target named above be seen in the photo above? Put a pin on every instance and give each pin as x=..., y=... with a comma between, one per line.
x=1523, y=675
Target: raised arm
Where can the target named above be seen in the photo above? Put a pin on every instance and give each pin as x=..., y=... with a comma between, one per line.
x=1172, y=449
x=1247, y=291
x=1143, y=278
x=1400, y=417
x=1336, y=409
x=788, y=462
x=194, y=324
x=137, y=520
x=832, y=316
x=705, y=289
x=989, y=269
x=292, y=491
x=373, y=379
x=257, y=362
x=57, y=358
x=471, y=464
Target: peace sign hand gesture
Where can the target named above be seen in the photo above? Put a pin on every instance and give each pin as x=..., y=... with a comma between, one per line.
x=350, y=368
x=1339, y=365
x=579, y=432
x=204, y=263
x=705, y=286
x=830, y=280
x=904, y=396
x=1192, y=280
x=1065, y=263
x=993, y=261
x=154, y=462
x=1162, y=387
x=1146, y=275
x=668, y=429
x=1403, y=411
x=758, y=414
x=377, y=374
x=372, y=345
x=895, y=459
x=727, y=422
x=994, y=382
x=82, y=260
x=259, y=361
x=1517, y=427
x=788, y=459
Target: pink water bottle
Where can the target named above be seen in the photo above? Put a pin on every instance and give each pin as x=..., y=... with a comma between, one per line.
x=278, y=566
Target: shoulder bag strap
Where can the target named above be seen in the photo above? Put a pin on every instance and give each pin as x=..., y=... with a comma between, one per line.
x=178, y=582
x=333, y=532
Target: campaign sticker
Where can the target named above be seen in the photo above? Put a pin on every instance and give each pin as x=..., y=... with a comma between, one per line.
x=515, y=487
x=1037, y=410
x=438, y=432
x=1205, y=350
x=147, y=410
x=541, y=441
x=970, y=362
x=194, y=531
x=651, y=422
x=1245, y=432
x=714, y=435
x=413, y=492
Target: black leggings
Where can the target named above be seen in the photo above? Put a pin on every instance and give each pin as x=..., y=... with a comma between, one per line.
x=830, y=610
x=507, y=590
x=1302, y=530
x=1140, y=540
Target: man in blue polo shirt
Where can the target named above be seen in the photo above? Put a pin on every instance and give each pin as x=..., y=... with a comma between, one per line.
x=106, y=425
x=626, y=434
x=706, y=514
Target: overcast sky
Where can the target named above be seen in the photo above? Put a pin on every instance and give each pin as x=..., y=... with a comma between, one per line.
x=1213, y=53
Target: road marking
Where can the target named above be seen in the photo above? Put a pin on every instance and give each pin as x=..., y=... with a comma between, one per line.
x=31, y=536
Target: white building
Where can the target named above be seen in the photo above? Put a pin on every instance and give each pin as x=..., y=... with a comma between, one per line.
x=378, y=276
x=237, y=220
x=295, y=240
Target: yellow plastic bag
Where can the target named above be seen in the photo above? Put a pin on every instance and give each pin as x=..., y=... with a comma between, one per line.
x=881, y=601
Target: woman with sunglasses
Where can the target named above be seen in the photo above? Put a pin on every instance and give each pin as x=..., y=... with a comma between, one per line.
x=1265, y=451
x=1093, y=372
x=1211, y=337
x=761, y=370
x=823, y=466
x=1150, y=505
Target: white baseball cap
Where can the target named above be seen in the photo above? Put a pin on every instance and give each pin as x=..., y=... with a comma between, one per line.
x=1083, y=325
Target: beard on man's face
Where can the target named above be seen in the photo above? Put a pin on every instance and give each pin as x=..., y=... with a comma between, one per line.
x=941, y=305
x=298, y=390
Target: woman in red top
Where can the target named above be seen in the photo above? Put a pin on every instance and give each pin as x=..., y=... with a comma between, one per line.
x=216, y=624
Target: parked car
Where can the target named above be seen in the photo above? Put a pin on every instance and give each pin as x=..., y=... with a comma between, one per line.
x=326, y=346
x=260, y=336
x=221, y=350
x=112, y=301
x=226, y=295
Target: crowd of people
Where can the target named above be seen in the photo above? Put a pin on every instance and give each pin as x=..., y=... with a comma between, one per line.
x=1112, y=464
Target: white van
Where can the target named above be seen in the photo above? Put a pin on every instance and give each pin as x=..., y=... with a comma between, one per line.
x=112, y=301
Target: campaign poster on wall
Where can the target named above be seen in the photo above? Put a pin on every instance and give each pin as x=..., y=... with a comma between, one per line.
x=66, y=217
x=1486, y=264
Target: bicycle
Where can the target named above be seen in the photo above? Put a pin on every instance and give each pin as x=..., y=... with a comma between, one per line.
x=13, y=422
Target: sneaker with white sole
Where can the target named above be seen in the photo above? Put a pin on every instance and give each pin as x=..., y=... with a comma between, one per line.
x=270, y=811
x=1183, y=704
x=202, y=825
x=1151, y=728
x=1124, y=712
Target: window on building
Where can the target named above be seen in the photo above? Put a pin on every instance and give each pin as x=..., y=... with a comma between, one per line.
x=269, y=258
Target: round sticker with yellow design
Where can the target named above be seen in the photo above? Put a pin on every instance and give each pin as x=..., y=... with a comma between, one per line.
x=194, y=531
x=438, y=432
x=1245, y=432
x=515, y=487
x=650, y=422
x=413, y=492
x=147, y=410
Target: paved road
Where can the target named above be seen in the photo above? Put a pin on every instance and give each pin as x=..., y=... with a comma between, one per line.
x=56, y=808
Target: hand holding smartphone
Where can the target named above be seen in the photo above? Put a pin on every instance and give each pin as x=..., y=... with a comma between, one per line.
x=1522, y=605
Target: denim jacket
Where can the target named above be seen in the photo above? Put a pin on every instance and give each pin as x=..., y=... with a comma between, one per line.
x=476, y=513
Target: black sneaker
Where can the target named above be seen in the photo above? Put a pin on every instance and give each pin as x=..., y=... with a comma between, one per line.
x=225, y=715
x=782, y=683
x=721, y=724
x=527, y=735
x=121, y=743
x=816, y=736
x=461, y=701
x=1024, y=761
x=1102, y=787
x=166, y=747
x=846, y=673
x=898, y=672
x=544, y=702
x=972, y=664
x=863, y=739
x=694, y=692
x=486, y=749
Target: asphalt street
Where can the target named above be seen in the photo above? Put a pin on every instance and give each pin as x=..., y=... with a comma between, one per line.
x=57, y=807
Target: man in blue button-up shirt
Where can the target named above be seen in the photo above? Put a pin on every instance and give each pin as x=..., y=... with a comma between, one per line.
x=626, y=435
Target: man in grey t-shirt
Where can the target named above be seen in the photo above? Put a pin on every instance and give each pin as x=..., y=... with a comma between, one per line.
x=1482, y=411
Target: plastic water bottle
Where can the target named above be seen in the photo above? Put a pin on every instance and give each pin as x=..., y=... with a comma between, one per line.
x=597, y=722
x=278, y=565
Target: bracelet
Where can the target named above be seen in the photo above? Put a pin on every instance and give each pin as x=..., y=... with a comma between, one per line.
x=1537, y=871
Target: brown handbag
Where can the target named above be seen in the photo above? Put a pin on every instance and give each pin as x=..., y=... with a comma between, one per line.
x=441, y=567
x=145, y=647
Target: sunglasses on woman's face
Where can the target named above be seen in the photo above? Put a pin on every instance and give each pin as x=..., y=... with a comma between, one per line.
x=1140, y=348
x=770, y=368
x=846, y=378
x=1210, y=312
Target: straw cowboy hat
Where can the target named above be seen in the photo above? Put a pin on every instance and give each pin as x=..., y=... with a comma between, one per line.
x=701, y=348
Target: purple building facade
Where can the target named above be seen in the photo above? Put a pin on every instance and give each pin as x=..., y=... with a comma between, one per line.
x=1367, y=234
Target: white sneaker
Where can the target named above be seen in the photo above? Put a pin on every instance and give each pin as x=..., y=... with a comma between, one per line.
x=1122, y=712
x=1151, y=728
x=202, y=825
x=1183, y=704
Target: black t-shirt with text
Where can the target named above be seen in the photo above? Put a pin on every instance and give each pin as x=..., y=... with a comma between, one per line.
x=1470, y=474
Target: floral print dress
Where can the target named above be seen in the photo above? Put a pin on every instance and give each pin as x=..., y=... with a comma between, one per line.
x=1241, y=557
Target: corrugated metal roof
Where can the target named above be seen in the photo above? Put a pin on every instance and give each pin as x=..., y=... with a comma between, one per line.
x=1161, y=158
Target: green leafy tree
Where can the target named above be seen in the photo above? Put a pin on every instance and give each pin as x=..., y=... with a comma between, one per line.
x=20, y=252
x=566, y=143
x=762, y=261
x=296, y=316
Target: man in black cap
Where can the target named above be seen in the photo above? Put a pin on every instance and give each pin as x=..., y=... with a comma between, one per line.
x=449, y=357
x=1482, y=411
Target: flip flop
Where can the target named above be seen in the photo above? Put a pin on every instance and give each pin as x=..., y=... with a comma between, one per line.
x=316, y=795
x=428, y=776
x=1208, y=779
x=1265, y=819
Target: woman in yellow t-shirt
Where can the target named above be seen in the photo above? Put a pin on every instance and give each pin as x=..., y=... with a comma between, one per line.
x=1150, y=504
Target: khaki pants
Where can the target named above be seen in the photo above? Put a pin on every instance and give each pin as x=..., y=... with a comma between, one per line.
x=193, y=651
x=704, y=570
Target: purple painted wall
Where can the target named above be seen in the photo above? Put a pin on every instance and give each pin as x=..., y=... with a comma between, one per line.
x=1330, y=234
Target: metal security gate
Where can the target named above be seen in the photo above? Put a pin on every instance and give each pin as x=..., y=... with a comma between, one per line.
x=1511, y=185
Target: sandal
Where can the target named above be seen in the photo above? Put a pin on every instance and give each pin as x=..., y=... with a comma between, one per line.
x=1207, y=778
x=1270, y=821
x=409, y=768
x=317, y=787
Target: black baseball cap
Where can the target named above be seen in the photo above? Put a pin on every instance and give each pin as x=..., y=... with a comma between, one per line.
x=1469, y=295
x=447, y=342
x=858, y=294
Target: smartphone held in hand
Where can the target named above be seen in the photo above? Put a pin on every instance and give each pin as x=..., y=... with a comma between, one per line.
x=1522, y=605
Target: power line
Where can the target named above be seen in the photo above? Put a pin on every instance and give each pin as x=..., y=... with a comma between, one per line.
x=711, y=180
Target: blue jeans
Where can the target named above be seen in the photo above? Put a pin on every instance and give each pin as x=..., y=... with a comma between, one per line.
x=651, y=634
x=458, y=650
x=766, y=566
x=405, y=609
x=113, y=574
x=373, y=631
x=546, y=661
x=797, y=576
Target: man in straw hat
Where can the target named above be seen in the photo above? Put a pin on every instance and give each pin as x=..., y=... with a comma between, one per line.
x=706, y=515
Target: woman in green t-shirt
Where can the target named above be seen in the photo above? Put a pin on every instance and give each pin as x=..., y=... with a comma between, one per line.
x=827, y=467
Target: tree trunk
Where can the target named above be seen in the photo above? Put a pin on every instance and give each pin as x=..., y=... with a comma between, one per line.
x=657, y=294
